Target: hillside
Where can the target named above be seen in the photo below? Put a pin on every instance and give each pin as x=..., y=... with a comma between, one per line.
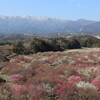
x=92, y=28
x=33, y=24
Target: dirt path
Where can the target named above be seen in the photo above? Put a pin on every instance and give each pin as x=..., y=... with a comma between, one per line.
x=83, y=49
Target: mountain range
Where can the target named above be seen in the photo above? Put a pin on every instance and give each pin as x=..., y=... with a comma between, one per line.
x=40, y=25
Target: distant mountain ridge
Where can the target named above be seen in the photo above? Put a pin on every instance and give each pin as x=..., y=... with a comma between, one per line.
x=36, y=24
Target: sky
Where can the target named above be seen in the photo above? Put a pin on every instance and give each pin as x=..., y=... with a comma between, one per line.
x=64, y=9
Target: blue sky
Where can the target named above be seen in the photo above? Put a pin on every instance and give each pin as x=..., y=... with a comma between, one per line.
x=66, y=9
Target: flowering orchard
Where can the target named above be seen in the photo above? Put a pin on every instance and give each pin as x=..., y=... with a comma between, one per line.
x=68, y=75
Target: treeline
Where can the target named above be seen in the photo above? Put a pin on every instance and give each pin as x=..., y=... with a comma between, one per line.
x=47, y=44
x=2, y=43
x=56, y=44
x=88, y=41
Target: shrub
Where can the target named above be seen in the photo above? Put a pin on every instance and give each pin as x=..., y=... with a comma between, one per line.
x=6, y=92
x=88, y=41
x=76, y=78
x=96, y=82
x=2, y=80
x=85, y=85
x=19, y=48
x=66, y=89
x=39, y=45
x=57, y=44
x=17, y=78
x=66, y=43
x=37, y=93
x=20, y=89
x=86, y=94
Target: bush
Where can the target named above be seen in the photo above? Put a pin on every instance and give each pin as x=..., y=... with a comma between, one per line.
x=57, y=44
x=88, y=41
x=39, y=45
x=17, y=78
x=19, y=48
x=2, y=43
x=2, y=80
x=96, y=82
